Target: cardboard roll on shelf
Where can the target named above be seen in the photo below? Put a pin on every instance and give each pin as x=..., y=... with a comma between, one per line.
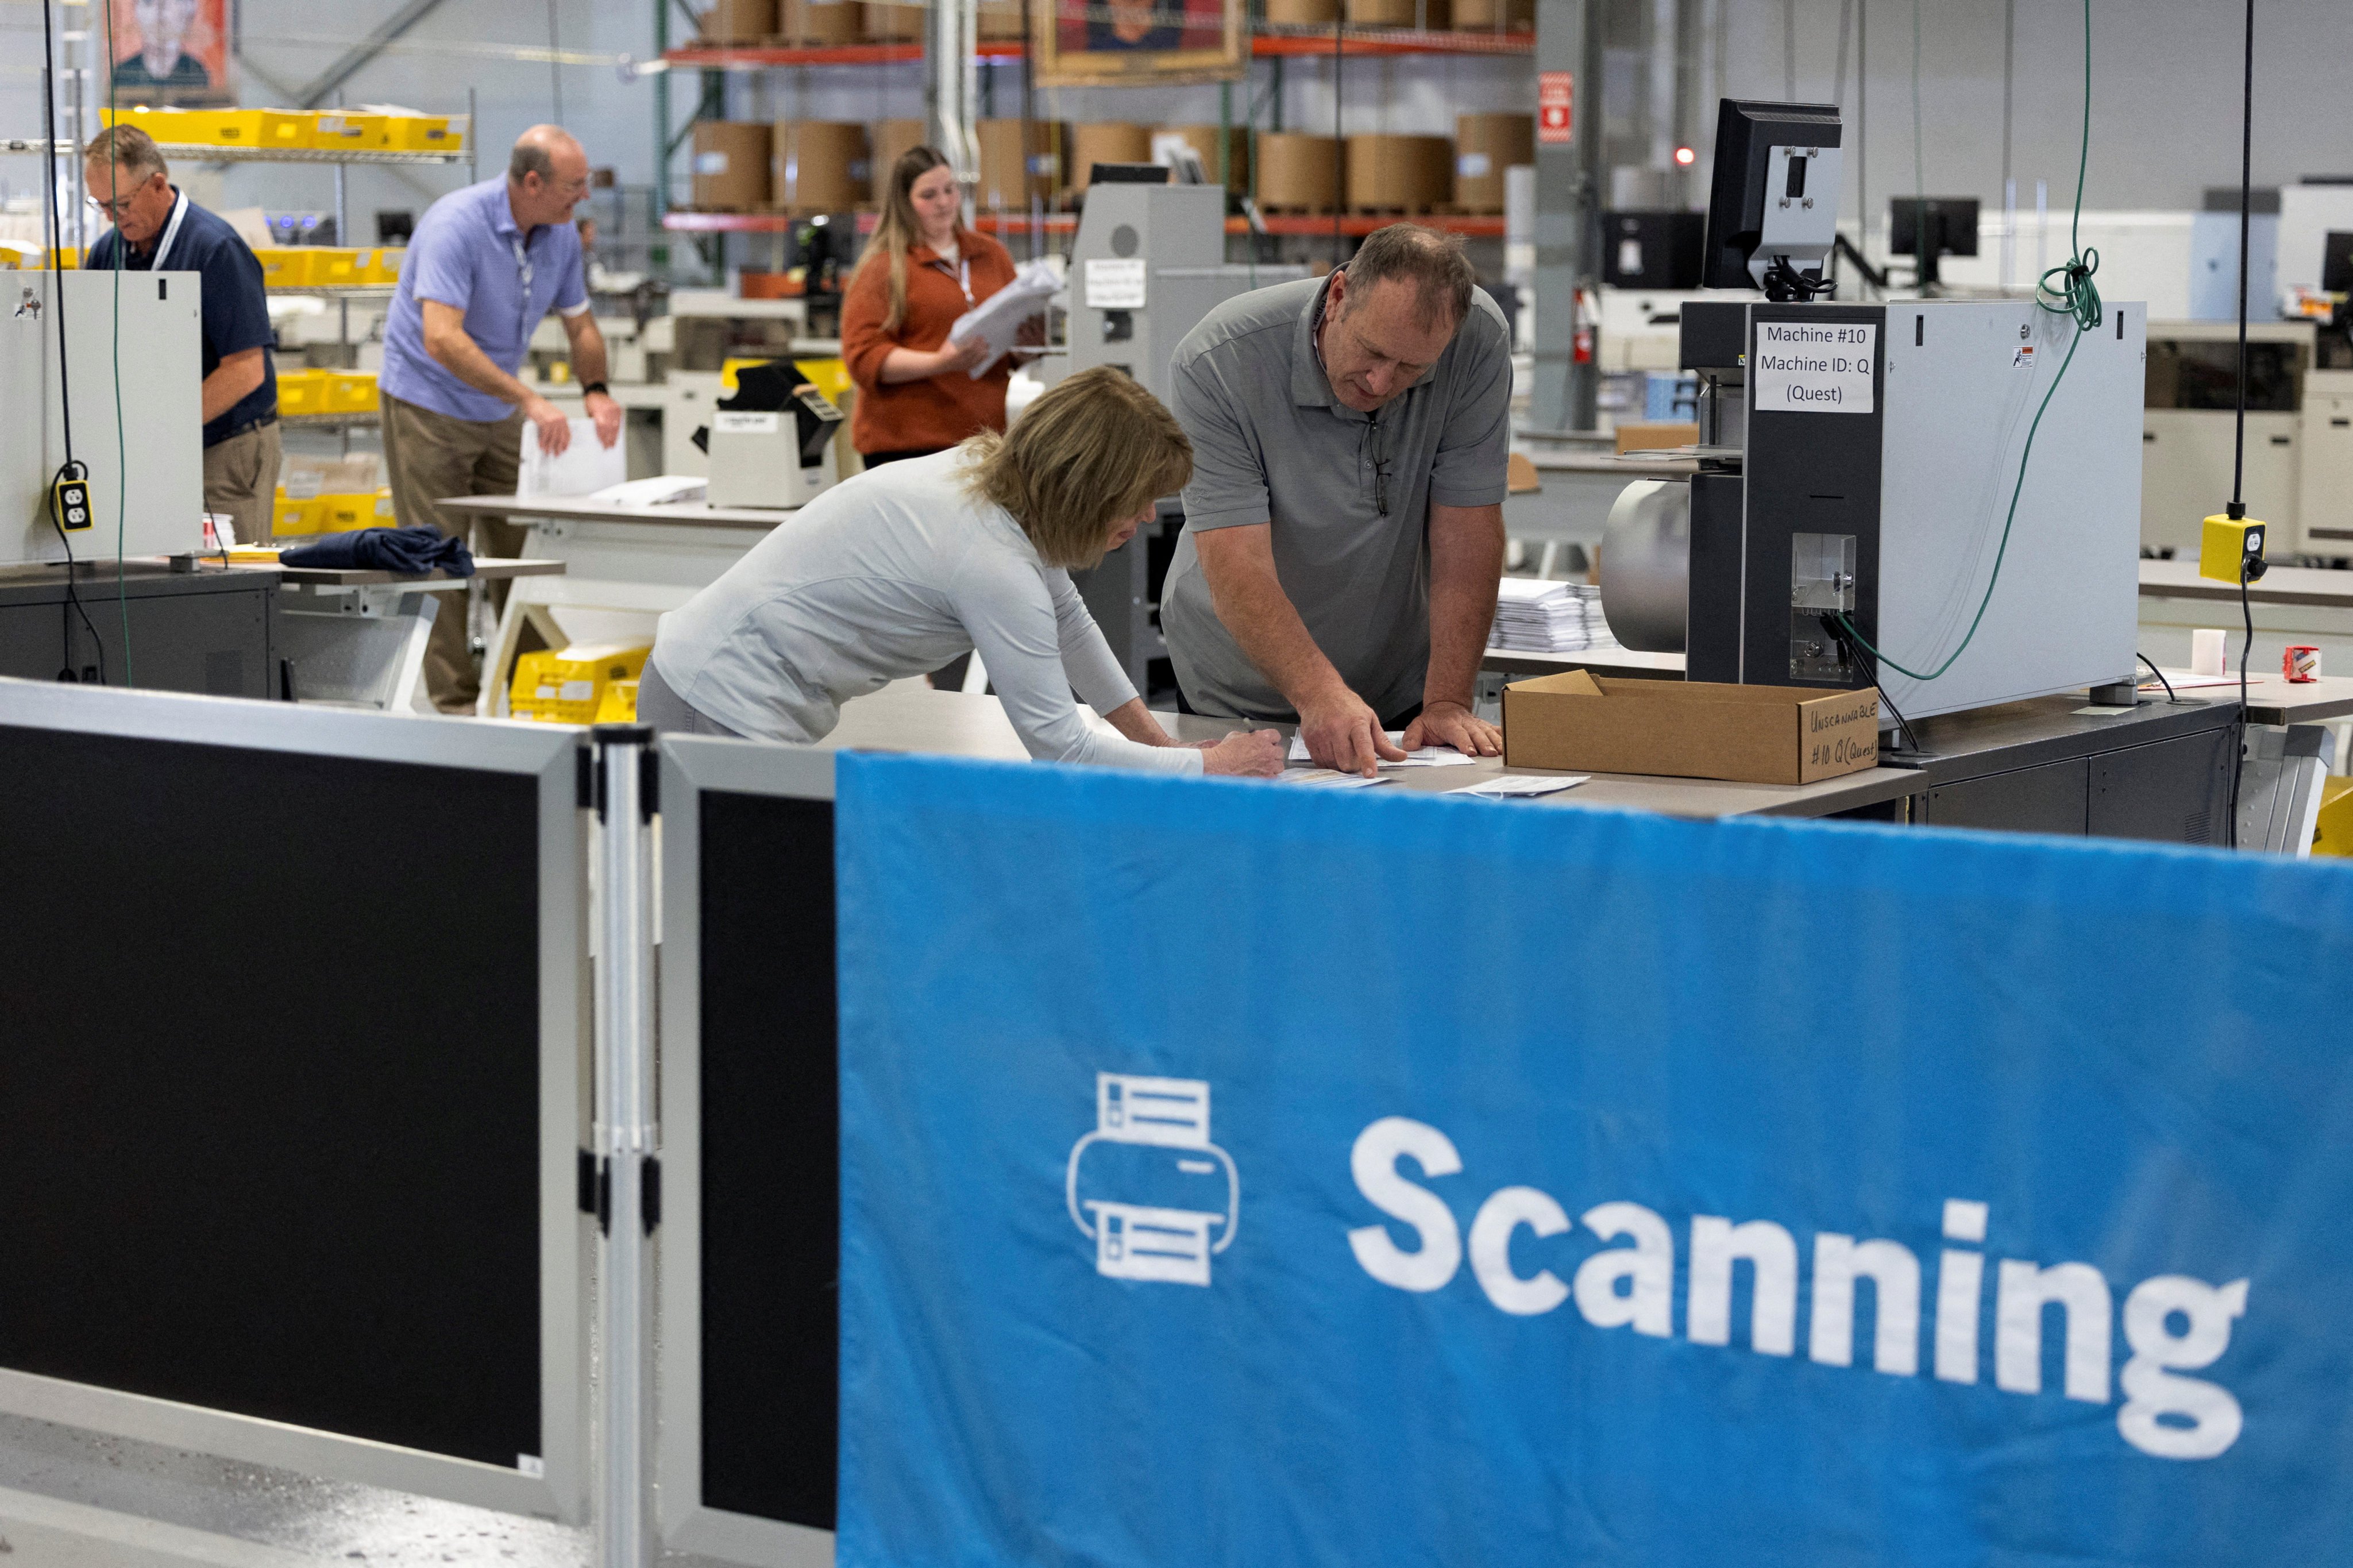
x=888, y=141
x=738, y=21
x=1006, y=186
x=730, y=165
x=1433, y=15
x=818, y=165
x=1494, y=15
x=1484, y=146
x=1203, y=140
x=815, y=23
x=892, y=24
x=1298, y=173
x=1106, y=142
x=1404, y=174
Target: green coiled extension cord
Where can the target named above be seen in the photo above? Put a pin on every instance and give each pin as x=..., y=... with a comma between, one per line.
x=2066, y=289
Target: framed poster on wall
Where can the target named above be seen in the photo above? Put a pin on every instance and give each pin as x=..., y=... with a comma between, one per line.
x=1080, y=44
x=172, y=52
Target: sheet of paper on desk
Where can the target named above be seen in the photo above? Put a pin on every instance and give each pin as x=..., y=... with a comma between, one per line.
x=584, y=468
x=1427, y=757
x=999, y=319
x=1503, y=787
x=1326, y=778
x=2183, y=679
x=662, y=489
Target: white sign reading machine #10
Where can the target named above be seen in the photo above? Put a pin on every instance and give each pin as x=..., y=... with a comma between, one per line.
x=1814, y=367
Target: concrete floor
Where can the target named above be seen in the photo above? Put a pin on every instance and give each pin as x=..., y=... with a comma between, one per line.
x=71, y=1498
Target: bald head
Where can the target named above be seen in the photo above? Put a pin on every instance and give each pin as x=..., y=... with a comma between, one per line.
x=547, y=176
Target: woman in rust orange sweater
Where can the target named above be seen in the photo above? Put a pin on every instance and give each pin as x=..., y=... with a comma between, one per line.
x=916, y=393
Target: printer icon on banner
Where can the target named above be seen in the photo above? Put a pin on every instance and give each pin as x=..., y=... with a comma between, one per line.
x=1169, y=1198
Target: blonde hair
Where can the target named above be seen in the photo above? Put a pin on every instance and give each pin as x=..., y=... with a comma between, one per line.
x=1094, y=449
x=898, y=230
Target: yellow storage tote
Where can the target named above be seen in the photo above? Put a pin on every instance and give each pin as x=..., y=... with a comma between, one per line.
x=383, y=266
x=304, y=391
x=620, y=705
x=427, y=132
x=351, y=392
x=568, y=686
x=357, y=509
x=353, y=132
x=290, y=516
x=334, y=268
x=286, y=267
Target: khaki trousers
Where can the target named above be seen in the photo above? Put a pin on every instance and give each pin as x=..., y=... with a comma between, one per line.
x=241, y=481
x=429, y=457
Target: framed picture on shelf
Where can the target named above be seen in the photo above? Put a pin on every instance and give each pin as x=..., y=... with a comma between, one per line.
x=1103, y=43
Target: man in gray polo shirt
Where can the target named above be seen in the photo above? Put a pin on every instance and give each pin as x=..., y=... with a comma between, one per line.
x=1343, y=529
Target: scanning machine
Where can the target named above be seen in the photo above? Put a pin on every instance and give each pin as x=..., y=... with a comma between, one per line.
x=1867, y=504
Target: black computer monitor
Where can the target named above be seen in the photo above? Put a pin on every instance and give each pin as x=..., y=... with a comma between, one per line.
x=1653, y=249
x=1932, y=228
x=2337, y=264
x=1739, y=206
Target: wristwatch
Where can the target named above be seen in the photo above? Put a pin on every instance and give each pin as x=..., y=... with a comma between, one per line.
x=587, y=388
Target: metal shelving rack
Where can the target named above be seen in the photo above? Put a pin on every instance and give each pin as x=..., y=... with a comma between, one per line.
x=1277, y=43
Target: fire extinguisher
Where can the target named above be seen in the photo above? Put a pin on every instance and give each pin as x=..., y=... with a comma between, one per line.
x=1586, y=308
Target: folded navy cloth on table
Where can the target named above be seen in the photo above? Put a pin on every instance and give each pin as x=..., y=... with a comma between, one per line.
x=413, y=551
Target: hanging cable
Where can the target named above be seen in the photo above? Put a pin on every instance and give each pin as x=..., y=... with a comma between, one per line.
x=2237, y=511
x=122, y=439
x=72, y=468
x=2073, y=295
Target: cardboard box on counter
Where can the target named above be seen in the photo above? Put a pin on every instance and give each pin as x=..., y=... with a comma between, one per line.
x=1689, y=728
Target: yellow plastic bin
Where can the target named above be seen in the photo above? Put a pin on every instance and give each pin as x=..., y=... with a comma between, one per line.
x=383, y=265
x=620, y=705
x=425, y=133
x=288, y=266
x=351, y=392
x=333, y=266
x=352, y=132
x=291, y=516
x=568, y=686
x=304, y=391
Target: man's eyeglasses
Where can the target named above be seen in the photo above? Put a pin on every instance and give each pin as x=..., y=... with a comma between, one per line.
x=117, y=208
x=1380, y=437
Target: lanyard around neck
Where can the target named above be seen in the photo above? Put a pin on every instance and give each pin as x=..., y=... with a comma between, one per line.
x=170, y=232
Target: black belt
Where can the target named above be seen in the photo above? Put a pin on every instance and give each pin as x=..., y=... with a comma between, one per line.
x=233, y=431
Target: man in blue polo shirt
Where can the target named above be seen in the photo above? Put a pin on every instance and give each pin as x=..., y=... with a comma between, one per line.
x=158, y=229
x=485, y=264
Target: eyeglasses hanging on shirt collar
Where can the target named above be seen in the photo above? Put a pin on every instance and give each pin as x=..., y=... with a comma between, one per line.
x=1377, y=435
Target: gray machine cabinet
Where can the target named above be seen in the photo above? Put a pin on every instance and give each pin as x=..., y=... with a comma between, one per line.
x=209, y=633
x=2046, y=799
x=1177, y=235
x=147, y=321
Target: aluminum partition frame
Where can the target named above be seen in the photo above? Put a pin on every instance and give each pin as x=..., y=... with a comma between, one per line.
x=688, y=766
x=550, y=755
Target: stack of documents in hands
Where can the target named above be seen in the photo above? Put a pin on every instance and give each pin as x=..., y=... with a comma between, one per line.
x=1536, y=616
x=999, y=319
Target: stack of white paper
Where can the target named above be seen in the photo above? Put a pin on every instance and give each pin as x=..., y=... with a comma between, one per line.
x=999, y=319
x=1536, y=617
x=1425, y=757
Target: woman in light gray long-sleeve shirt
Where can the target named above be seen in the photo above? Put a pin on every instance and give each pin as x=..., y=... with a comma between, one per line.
x=906, y=567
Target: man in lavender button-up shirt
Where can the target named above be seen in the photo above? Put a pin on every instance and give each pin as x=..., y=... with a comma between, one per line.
x=485, y=265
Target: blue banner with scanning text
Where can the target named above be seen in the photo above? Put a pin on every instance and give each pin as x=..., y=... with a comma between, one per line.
x=1234, y=1173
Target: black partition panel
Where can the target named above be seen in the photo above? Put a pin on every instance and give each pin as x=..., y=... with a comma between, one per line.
x=771, y=1151
x=269, y=1102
